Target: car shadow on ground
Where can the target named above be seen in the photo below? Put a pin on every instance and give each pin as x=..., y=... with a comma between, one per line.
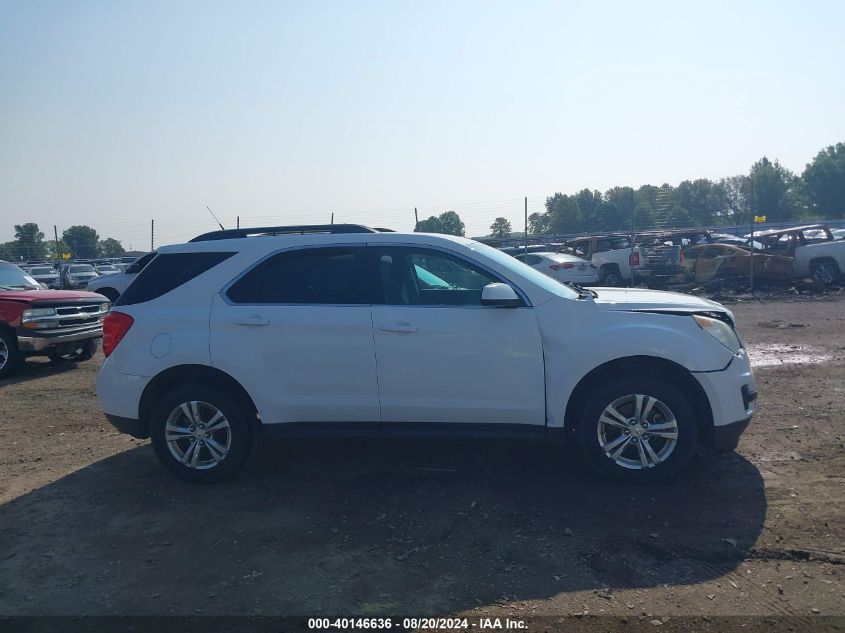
x=356, y=527
x=32, y=369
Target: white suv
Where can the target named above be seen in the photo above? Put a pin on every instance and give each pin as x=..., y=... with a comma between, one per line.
x=345, y=330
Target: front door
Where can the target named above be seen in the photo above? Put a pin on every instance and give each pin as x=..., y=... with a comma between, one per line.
x=442, y=356
x=296, y=331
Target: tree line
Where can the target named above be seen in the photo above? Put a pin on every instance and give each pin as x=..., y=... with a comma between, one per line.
x=768, y=189
x=80, y=241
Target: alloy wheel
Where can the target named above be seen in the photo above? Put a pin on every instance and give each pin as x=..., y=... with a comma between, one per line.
x=4, y=353
x=637, y=431
x=198, y=435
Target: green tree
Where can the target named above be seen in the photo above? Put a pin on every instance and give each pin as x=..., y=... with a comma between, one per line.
x=538, y=223
x=110, y=247
x=82, y=241
x=451, y=223
x=500, y=227
x=775, y=191
x=448, y=223
x=735, y=190
x=824, y=182
x=30, y=241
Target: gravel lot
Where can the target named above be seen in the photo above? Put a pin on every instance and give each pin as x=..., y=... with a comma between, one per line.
x=91, y=524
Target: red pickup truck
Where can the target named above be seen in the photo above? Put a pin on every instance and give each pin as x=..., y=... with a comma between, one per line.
x=65, y=325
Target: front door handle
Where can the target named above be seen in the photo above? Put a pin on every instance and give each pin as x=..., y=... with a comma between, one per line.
x=254, y=320
x=399, y=327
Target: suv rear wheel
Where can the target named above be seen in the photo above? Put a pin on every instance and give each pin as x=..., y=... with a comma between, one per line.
x=200, y=434
x=638, y=429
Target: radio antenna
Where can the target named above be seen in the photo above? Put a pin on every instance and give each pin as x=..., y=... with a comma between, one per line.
x=215, y=217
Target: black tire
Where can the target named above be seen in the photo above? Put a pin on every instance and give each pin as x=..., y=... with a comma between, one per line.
x=83, y=351
x=825, y=271
x=10, y=357
x=239, y=434
x=611, y=277
x=591, y=432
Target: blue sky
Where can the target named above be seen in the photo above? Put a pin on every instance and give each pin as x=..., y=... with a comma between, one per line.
x=116, y=112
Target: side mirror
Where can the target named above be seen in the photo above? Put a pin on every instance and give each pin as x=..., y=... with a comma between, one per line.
x=500, y=296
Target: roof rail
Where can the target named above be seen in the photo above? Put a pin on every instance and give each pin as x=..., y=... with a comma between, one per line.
x=227, y=234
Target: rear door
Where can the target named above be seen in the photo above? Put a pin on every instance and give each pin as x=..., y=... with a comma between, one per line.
x=296, y=330
x=442, y=356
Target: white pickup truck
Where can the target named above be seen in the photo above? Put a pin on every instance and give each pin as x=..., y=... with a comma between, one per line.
x=822, y=258
x=610, y=254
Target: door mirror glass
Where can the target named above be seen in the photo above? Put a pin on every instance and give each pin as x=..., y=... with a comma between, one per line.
x=499, y=295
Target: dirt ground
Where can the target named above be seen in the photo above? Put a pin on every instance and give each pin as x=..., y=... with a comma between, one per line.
x=90, y=524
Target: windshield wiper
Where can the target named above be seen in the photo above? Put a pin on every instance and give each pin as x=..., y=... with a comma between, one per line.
x=581, y=290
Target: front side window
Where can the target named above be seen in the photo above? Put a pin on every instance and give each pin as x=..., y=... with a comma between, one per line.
x=311, y=275
x=419, y=276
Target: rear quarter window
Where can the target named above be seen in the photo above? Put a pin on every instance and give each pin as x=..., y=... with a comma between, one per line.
x=167, y=272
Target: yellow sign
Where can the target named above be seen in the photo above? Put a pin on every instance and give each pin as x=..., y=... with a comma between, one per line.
x=65, y=255
x=759, y=218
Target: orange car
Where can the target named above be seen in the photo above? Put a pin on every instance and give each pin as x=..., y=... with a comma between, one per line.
x=708, y=262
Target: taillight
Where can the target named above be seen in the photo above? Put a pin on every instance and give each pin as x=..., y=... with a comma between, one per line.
x=682, y=257
x=115, y=327
x=563, y=265
x=634, y=259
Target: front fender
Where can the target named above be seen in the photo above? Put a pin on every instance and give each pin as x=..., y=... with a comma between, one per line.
x=580, y=336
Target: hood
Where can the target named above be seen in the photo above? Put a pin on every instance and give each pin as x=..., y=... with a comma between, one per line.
x=647, y=300
x=32, y=296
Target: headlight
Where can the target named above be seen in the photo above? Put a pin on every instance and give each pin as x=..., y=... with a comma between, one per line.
x=719, y=330
x=104, y=307
x=28, y=315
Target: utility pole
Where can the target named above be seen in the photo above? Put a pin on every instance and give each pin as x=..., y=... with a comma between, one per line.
x=751, y=203
x=631, y=256
x=56, y=235
x=237, y=222
x=416, y=219
x=332, y=217
x=152, y=235
x=526, y=226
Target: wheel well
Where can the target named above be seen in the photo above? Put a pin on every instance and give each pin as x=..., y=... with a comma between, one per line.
x=677, y=374
x=610, y=267
x=180, y=375
x=9, y=330
x=819, y=260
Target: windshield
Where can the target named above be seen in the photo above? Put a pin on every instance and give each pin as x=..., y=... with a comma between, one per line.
x=525, y=271
x=14, y=278
x=42, y=270
x=81, y=268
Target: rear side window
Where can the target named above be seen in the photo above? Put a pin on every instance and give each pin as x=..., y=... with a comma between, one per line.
x=311, y=275
x=167, y=272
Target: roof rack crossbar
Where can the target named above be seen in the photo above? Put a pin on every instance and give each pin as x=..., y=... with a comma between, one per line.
x=227, y=234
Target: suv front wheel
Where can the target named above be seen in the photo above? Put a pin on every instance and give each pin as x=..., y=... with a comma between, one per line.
x=200, y=434
x=638, y=429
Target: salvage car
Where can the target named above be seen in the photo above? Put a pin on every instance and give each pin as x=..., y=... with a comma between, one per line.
x=63, y=325
x=562, y=267
x=815, y=251
x=729, y=263
x=332, y=329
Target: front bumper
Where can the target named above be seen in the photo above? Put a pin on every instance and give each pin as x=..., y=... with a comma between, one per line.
x=132, y=427
x=46, y=339
x=726, y=437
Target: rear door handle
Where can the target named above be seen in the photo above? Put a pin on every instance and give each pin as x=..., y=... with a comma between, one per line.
x=399, y=327
x=252, y=321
